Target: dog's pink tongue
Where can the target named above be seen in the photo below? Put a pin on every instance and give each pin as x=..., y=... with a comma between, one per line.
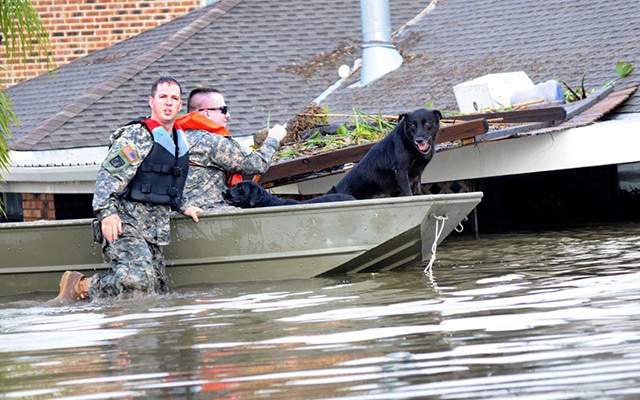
x=422, y=146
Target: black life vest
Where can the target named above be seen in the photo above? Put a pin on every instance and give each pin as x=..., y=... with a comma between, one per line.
x=161, y=176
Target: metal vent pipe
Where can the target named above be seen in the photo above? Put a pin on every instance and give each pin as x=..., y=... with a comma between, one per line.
x=379, y=55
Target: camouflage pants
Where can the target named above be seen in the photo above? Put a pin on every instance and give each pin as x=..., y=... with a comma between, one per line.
x=137, y=267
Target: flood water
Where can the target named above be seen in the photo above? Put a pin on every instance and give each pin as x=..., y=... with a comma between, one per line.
x=537, y=315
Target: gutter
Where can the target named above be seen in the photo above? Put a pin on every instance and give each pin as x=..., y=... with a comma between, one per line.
x=53, y=171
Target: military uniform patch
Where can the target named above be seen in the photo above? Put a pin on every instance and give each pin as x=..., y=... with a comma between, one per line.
x=120, y=160
x=117, y=162
x=129, y=153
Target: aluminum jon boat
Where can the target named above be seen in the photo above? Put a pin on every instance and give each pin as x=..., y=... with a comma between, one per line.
x=274, y=243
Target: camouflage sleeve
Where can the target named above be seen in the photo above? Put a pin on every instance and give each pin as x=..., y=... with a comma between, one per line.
x=227, y=154
x=129, y=146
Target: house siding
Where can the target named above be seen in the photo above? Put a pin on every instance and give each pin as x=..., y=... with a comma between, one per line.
x=77, y=28
x=80, y=27
x=38, y=206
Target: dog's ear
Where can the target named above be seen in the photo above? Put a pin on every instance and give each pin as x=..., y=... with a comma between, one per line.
x=438, y=114
x=402, y=119
x=254, y=193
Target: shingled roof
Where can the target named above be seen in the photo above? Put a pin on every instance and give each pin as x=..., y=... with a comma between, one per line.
x=465, y=39
x=270, y=58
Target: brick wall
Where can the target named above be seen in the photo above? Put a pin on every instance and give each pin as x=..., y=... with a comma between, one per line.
x=79, y=27
x=38, y=206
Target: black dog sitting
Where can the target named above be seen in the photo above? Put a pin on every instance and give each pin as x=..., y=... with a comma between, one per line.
x=248, y=194
x=394, y=166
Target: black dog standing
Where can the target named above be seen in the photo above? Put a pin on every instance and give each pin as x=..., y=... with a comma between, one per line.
x=394, y=166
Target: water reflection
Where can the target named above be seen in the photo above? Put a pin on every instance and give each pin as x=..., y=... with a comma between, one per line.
x=546, y=315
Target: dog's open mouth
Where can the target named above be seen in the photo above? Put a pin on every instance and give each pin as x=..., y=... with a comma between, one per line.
x=423, y=147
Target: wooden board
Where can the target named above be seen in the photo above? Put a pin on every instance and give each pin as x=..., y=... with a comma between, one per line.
x=462, y=130
x=517, y=116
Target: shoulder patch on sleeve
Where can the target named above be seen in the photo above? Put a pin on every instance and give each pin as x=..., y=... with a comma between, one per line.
x=129, y=153
x=120, y=160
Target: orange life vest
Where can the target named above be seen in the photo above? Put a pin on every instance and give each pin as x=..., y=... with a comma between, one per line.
x=196, y=121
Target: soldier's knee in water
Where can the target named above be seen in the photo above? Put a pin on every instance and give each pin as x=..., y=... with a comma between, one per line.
x=137, y=278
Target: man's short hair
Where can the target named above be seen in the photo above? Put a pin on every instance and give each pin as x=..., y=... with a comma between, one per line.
x=164, y=79
x=198, y=97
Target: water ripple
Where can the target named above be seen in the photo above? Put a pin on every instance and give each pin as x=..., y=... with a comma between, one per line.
x=545, y=315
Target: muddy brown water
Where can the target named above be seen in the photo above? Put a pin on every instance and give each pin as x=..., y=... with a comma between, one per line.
x=529, y=315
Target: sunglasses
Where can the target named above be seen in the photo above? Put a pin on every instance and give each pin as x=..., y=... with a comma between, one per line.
x=223, y=109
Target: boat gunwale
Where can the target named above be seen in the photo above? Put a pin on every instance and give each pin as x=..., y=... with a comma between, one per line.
x=303, y=208
x=306, y=208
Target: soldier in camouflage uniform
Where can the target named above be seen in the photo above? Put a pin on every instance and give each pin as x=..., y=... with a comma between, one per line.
x=133, y=203
x=216, y=160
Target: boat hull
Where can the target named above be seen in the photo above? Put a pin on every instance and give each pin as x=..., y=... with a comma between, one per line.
x=275, y=243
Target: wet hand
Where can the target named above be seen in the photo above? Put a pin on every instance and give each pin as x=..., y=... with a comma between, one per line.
x=193, y=212
x=111, y=227
x=278, y=132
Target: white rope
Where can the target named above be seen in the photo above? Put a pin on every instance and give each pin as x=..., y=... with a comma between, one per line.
x=440, y=222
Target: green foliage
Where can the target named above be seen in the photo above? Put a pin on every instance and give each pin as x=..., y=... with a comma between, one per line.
x=24, y=34
x=363, y=128
x=366, y=131
x=571, y=94
x=7, y=118
x=323, y=118
x=623, y=69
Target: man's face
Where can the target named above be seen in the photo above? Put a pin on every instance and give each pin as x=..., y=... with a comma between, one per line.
x=166, y=103
x=216, y=100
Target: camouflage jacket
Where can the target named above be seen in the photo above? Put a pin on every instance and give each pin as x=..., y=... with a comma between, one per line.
x=133, y=143
x=211, y=156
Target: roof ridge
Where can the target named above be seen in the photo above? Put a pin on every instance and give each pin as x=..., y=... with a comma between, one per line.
x=85, y=101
